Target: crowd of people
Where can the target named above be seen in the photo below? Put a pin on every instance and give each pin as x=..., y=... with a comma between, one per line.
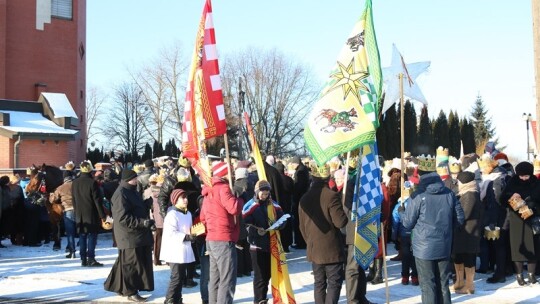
x=488, y=208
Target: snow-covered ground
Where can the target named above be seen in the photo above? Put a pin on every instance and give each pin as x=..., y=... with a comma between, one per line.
x=41, y=275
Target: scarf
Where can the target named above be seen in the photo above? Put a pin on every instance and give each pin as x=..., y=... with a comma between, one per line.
x=467, y=187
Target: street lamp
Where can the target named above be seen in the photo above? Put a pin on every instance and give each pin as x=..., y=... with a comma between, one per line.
x=527, y=119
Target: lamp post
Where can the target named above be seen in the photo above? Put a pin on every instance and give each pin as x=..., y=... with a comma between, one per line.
x=527, y=118
x=241, y=102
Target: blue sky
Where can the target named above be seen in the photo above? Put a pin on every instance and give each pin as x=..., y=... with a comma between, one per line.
x=479, y=46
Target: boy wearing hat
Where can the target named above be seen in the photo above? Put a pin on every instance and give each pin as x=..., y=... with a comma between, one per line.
x=321, y=218
x=219, y=213
x=177, y=238
x=255, y=214
x=142, y=179
x=133, y=270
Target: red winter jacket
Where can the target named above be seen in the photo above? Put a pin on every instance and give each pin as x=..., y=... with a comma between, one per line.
x=220, y=212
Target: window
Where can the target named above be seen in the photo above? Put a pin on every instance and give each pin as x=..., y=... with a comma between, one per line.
x=62, y=9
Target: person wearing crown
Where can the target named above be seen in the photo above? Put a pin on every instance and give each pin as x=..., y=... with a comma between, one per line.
x=432, y=214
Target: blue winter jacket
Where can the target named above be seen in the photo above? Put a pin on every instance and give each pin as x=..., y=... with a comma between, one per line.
x=397, y=226
x=433, y=214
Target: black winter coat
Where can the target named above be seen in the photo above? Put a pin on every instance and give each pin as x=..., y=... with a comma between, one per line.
x=129, y=213
x=467, y=238
x=521, y=236
x=87, y=203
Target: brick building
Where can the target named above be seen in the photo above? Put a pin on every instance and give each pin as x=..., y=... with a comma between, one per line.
x=42, y=49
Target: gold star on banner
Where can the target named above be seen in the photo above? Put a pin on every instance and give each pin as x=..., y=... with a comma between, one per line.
x=349, y=79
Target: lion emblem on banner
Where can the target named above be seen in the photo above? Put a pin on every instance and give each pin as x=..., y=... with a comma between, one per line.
x=337, y=120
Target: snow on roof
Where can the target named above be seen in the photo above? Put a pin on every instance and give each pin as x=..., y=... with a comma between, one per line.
x=27, y=122
x=59, y=104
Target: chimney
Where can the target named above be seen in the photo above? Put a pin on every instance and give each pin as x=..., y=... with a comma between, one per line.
x=40, y=88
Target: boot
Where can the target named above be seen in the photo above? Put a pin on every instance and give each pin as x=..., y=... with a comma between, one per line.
x=458, y=283
x=397, y=257
x=71, y=255
x=93, y=263
x=469, y=281
x=532, y=278
x=519, y=279
x=378, y=272
x=56, y=245
x=371, y=273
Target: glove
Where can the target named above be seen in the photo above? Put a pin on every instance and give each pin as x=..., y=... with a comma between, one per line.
x=261, y=231
x=150, y=224
x=401, y=208
x=190, y=238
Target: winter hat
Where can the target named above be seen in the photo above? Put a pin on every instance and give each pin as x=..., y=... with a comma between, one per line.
x=148, y=163
x=243, y=164
x=240, y=173
x=175, y=195
x=128, y=174
x=524, y=168
x=262, y=185
x=467, y=160
x=220, y=169
x=465, y=177
x=501, y=155
x=183, y=175
x=270, y=160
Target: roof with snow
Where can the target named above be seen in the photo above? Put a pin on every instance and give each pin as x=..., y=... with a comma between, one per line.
x=58, y=103
x=26, y=122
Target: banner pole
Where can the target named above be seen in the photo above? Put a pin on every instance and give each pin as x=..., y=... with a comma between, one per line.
x=228, y=157
x=346, y=178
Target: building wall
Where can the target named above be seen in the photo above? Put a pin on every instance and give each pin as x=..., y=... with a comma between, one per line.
x=31, y=152
x=52, y=56
x=6, y=154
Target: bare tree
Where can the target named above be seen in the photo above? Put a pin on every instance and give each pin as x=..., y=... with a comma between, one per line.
x=162, y=94
x=94, y=112
x=278, y=92
x=125, y=127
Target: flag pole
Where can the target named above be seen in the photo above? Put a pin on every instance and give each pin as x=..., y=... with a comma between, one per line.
x=346, y=178
x=402, y=125
x=228, y=157
x=383, y=242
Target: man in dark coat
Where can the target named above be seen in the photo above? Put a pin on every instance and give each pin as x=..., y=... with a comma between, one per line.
x=89, y=214
x=321, y=218
x=433, y=214
x=301, y=185
x=142, y=179
x=286, y=205
x=133, y=270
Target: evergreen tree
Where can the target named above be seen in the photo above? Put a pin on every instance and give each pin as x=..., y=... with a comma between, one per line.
x=382, y=138
x=425, y=134
x=454, y=132
x=483, y=129
x=410, y=127
x=392, y=133
x=441, y=137
x=157, y=149
x=467, y=137
x=147, y=152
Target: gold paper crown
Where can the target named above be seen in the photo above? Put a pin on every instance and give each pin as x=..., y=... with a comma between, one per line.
x=442, y=152
x=353, y=162
x=426, y=163
x=536, y=162
x=322, y=171
x=334, y=163
x=69, y=165
x=153, y=178
x=406, y=155
x=184, y=162
x=455, y=165
x=486, y=162
x=86, y=166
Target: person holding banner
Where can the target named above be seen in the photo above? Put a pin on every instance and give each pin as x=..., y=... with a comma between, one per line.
x=220, y=211
x=321, y=217
x=255, y=214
